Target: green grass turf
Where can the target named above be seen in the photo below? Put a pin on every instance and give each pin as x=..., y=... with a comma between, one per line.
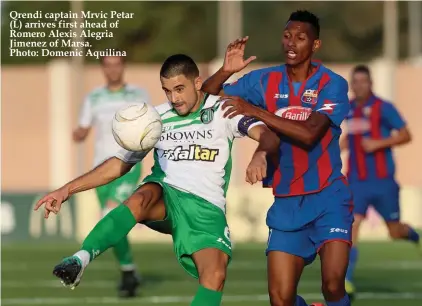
x=387, y=274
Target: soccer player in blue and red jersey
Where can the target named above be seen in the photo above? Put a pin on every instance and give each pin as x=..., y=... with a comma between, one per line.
x=305, y=103
x=371, y=170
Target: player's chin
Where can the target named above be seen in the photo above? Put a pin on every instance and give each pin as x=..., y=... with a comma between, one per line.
x=181, y=110
x=292, y=61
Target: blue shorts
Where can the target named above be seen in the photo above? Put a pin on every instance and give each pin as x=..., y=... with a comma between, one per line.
x=300, y=225
x=383, y=195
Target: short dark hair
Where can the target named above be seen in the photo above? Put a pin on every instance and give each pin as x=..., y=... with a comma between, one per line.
x=308, y=17
x=178, y=64
x=122, y=58
x=362, y=69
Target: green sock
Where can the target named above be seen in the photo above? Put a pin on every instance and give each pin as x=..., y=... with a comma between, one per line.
x=124, y=255
x=207, y=297
x=109, y=231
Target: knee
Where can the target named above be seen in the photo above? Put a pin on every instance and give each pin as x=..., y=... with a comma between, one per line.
x=333, y=288
x=138, y=205
x=277, y=299
x=213, y=277
x=280, y=297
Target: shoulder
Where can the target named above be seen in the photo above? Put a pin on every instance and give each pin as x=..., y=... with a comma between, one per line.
x=135, y=89
x=387, y=106
x=96, y=93
x=334, y=79
x=163, y=108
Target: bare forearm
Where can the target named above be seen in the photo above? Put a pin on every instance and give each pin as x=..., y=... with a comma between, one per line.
x=213, y=85
x=105, y=173
x=393, y=141
x=269, y=143
x=295, y=130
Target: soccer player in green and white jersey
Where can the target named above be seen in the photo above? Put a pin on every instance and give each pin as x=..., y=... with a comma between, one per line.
x=98, y=111
x=185, y=195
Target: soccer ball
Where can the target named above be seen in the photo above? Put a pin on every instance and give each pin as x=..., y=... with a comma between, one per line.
x=137, y=127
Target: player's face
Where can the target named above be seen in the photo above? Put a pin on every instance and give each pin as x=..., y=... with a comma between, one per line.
x=113, y=68
x=361, y=85
x=299, y=42
x=182, y=92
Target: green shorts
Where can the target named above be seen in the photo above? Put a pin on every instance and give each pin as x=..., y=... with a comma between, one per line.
x=194, y=224
x=120, y=189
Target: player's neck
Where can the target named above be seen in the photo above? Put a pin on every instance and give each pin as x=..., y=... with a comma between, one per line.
x=300, y=72
x=115, y=86
x=199, y=102
x=362, y=100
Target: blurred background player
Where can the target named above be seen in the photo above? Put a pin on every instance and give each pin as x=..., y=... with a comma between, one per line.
x=97, y=111
x=374, y=127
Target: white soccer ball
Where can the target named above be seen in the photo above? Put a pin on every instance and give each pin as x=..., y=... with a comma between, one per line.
x=137, y=127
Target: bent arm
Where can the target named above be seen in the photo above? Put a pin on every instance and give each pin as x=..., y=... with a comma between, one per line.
x=401, y=137
x=80, y=133
x=268, y=141
x=306, y=133
x=214, y=84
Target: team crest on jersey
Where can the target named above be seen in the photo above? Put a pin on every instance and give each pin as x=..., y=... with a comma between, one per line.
x=297, y=113
x=207, y=115
x=310, y=96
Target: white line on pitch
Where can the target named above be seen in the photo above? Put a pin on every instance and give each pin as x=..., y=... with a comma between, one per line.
x=183, y=299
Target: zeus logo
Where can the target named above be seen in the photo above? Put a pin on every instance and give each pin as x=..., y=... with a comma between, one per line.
x=329, y=107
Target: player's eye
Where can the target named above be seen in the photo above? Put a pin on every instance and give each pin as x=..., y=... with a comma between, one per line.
x=179, y=90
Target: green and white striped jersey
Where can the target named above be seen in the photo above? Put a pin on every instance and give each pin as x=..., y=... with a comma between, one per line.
x=194, y=151
x=98, y=111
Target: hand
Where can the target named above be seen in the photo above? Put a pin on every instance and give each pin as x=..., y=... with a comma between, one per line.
x=77, y=136
x=53, y=201
x=257, y=169
x=371, y=145
x=238, y=106
x=233, y=59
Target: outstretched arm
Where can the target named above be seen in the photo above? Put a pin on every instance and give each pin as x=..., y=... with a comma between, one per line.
x=233, y=62
x=105, y=173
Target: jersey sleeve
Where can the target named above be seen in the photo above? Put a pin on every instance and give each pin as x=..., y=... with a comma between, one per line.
x=239, y=126
x=333, y=101
x=130, y=157
x=85, y=114
x=392, y=117
x=248, y=87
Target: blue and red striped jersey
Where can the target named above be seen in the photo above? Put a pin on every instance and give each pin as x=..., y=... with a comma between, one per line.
x=299, y=171
x=375, y=119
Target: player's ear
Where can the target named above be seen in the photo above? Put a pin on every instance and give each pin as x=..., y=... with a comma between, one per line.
x=198, y=83
x=317, y=45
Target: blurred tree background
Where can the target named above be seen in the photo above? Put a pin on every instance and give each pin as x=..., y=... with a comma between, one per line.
x=351, y=31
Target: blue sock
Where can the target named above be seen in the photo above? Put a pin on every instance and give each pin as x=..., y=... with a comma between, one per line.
x=345, y=301
x=353, y=258
x=413, y=235
x=300, y=301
